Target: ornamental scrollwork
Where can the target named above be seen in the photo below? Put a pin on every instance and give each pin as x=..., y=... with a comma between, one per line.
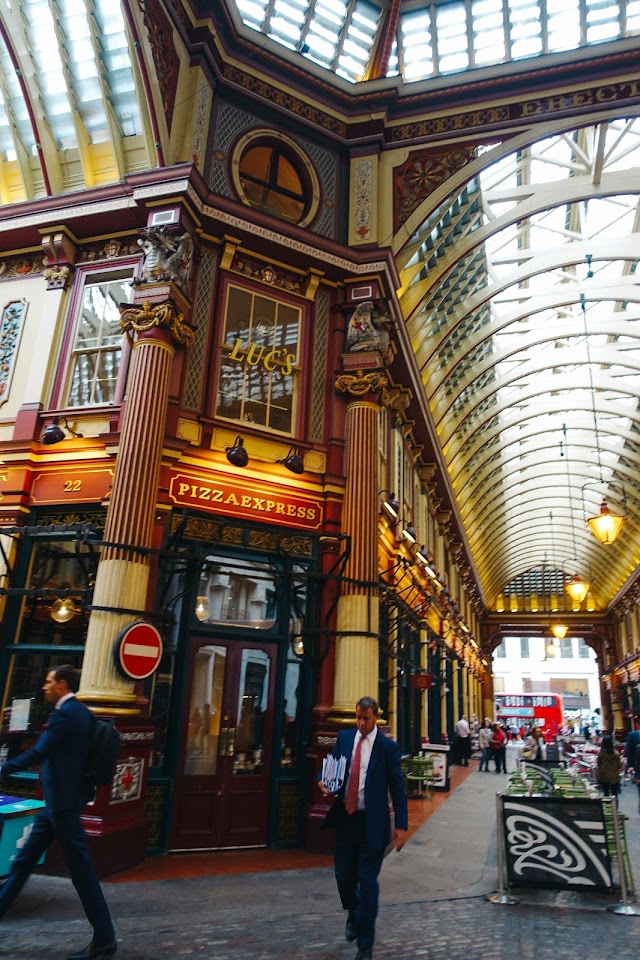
x=360, y=383
x=141, y=319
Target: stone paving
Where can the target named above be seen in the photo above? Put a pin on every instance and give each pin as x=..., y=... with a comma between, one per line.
x=433, y=906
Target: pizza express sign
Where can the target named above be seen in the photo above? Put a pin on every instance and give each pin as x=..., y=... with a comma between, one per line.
x=246, y=501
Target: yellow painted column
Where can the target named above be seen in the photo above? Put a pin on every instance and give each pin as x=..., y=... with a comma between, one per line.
x=123, y=571
x=358, y=614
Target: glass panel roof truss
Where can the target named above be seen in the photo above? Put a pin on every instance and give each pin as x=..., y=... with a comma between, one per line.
x=520, y=378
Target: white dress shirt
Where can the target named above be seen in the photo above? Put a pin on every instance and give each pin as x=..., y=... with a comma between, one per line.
x=365, y=757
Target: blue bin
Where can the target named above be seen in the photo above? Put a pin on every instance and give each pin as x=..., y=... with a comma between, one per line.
x=16, y=819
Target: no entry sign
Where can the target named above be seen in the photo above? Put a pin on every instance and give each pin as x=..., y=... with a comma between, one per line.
x=138, y=649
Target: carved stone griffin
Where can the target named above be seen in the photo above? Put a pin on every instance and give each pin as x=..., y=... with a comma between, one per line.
x=166, y=257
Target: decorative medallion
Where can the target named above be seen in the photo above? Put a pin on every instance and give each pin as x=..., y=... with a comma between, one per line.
x=419, y=176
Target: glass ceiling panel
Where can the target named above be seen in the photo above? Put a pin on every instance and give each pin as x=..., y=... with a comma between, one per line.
x=435, y=39
x=540, y=381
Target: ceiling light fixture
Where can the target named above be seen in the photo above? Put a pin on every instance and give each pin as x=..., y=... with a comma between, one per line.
x=559, y=630
x=576, y=587
x=605, y=526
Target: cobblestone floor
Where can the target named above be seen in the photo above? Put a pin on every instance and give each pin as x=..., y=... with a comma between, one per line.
x=433, y=907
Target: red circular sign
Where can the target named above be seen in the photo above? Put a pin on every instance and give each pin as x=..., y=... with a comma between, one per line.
x=138, y=650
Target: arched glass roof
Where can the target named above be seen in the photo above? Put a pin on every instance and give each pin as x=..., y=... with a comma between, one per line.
x=424, y=40
x=523, y=303
x=68, y=96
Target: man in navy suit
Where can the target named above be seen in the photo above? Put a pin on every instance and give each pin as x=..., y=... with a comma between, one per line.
x=62, y=752
x=360, y=814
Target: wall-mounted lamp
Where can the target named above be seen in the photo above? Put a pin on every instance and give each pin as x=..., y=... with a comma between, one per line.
x=409, y=533
x=63, y=610
x=54, y=432
x=293, y=461
x=423, y=559
x=237, y=455
x=203, y=608
x=390, y=506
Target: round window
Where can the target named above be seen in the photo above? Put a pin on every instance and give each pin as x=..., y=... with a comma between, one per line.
x=271, y=174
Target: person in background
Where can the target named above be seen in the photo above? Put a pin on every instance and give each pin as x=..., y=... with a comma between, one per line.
x=535, y=748
x=463, y=738
x=607, y=770
x=484, y=740
x=633, y=741
x=499, y=748
x=360, y=814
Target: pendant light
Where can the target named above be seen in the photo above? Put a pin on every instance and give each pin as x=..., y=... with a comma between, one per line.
x=605, y=526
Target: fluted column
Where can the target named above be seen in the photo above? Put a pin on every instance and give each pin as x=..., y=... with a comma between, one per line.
x=358, y=614
x=155, y=329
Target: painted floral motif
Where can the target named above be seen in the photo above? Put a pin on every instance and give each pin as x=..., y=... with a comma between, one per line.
x=10, y=329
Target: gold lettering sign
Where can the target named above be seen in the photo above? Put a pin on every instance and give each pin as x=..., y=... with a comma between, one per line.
x=247, y=501
x=252, y=354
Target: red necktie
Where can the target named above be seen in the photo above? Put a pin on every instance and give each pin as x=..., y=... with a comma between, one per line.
x=351, y=802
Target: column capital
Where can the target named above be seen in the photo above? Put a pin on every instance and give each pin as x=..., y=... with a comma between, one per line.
x=142, y=317
x=359, y=383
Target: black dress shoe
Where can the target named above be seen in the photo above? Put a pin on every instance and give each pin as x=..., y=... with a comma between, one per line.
x=350, y=929
x=95, y=952
x=363, y=955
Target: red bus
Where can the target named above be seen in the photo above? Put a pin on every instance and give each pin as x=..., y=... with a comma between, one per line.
x=526, y=709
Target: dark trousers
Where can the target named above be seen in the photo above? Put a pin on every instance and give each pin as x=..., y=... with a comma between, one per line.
x=67, y=828
x=357, y=867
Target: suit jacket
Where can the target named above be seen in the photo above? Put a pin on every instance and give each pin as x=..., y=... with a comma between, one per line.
x=62, y=752
x=384, y=778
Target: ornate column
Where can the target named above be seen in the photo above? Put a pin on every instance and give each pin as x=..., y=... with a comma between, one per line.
x=358, y=615
x=155, y=325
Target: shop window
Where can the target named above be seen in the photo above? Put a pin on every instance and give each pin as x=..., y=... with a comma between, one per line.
x=270, y=173
x=524, y=647
x=566, y=648
x=259, y=363
x=583, y=649
x=58, y=575
x=95, y=360
x=237, y=593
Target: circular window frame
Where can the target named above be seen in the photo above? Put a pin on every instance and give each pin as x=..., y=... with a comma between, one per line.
x=306, y=171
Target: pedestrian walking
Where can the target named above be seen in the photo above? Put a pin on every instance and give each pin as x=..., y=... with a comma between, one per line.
x=607, y=769
x=463, y=741
x=484, y=742
x=499, y=748
x=62, y=752
x=360, y=815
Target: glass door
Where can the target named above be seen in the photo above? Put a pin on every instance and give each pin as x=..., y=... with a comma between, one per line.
x=222, y=787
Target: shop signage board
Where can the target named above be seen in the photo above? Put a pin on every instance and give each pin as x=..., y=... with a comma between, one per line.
x=556, y=844
x=73, y=484
x=238, y=498
x=138, y=650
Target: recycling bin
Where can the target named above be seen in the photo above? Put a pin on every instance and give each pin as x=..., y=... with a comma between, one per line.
x=16, y=819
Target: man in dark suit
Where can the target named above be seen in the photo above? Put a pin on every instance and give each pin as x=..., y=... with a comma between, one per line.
x=62, y=752
x=360, y=814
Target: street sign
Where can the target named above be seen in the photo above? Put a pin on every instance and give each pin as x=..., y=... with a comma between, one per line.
x=138, y=650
